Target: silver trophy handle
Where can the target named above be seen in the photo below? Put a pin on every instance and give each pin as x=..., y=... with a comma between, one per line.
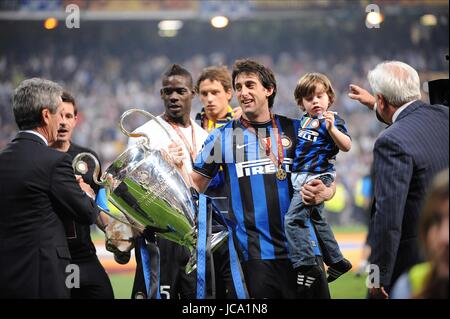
x=138, y=134
x=145, y=136
x=131, y=134
x=80, y=166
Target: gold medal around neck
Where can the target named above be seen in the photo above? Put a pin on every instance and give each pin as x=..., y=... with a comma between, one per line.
x=281, y=174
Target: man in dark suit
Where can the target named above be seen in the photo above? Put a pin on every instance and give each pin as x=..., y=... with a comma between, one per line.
x=407, y=155
x=37, y=183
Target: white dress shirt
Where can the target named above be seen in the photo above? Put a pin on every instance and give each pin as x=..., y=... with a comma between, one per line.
x=400, y=109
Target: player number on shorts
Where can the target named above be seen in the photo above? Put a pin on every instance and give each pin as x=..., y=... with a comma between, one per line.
x=164, y=290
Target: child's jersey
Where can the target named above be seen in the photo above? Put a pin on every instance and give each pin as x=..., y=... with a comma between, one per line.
x=316, y=151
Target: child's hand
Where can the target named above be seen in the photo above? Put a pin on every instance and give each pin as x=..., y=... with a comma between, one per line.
x=329, y=118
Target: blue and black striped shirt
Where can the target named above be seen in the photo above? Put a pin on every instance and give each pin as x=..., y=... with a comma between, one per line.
x=316, y=151
x=258, y=200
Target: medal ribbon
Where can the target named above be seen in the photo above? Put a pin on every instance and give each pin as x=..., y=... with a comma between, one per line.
x=192, y=150
x=266, y=144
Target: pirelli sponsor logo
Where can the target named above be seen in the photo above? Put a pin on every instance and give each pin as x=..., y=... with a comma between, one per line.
x=260, y=167
x=308, y=135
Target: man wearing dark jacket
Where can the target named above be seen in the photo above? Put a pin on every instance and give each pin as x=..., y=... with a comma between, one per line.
x=407, y=155
x=38, y=184
x=94, y=282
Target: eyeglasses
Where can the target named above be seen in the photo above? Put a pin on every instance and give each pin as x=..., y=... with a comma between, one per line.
x=169, y=91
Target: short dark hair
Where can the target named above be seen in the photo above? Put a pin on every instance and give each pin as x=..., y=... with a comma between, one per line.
x=68, y=98
x=176, y=69
x=264, y=74
x=215, y=73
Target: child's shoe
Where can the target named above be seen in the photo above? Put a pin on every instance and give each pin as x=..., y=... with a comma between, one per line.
x=306, y=276
x=338, y=269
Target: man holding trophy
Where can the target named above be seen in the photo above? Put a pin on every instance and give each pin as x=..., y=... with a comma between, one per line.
x=148, y=187
x=150, y=184
x=177, y=94
x=259, y=183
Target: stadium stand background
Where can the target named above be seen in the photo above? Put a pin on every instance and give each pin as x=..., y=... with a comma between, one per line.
x=113, y=62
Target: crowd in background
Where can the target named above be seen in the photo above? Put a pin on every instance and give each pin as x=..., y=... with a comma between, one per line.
x=105, y=84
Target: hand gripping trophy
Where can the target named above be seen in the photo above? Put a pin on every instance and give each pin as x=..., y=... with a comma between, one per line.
x=149, y=190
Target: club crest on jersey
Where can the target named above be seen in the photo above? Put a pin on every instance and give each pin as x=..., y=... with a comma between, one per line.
x=308, y=135
x=315, y=123
x=286, y=142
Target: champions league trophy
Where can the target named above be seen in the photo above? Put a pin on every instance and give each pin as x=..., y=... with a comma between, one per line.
x=147, y=187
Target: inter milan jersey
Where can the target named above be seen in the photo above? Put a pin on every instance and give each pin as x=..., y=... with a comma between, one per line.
x=258, y=200
x=316, y=151
x=217, y=189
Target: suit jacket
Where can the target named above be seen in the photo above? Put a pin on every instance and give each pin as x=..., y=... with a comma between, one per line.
x=37, y=182
x=407, y=155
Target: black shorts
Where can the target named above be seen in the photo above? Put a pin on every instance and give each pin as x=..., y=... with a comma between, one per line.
x=222, y=272
x=276, y=279
x=94, y=281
